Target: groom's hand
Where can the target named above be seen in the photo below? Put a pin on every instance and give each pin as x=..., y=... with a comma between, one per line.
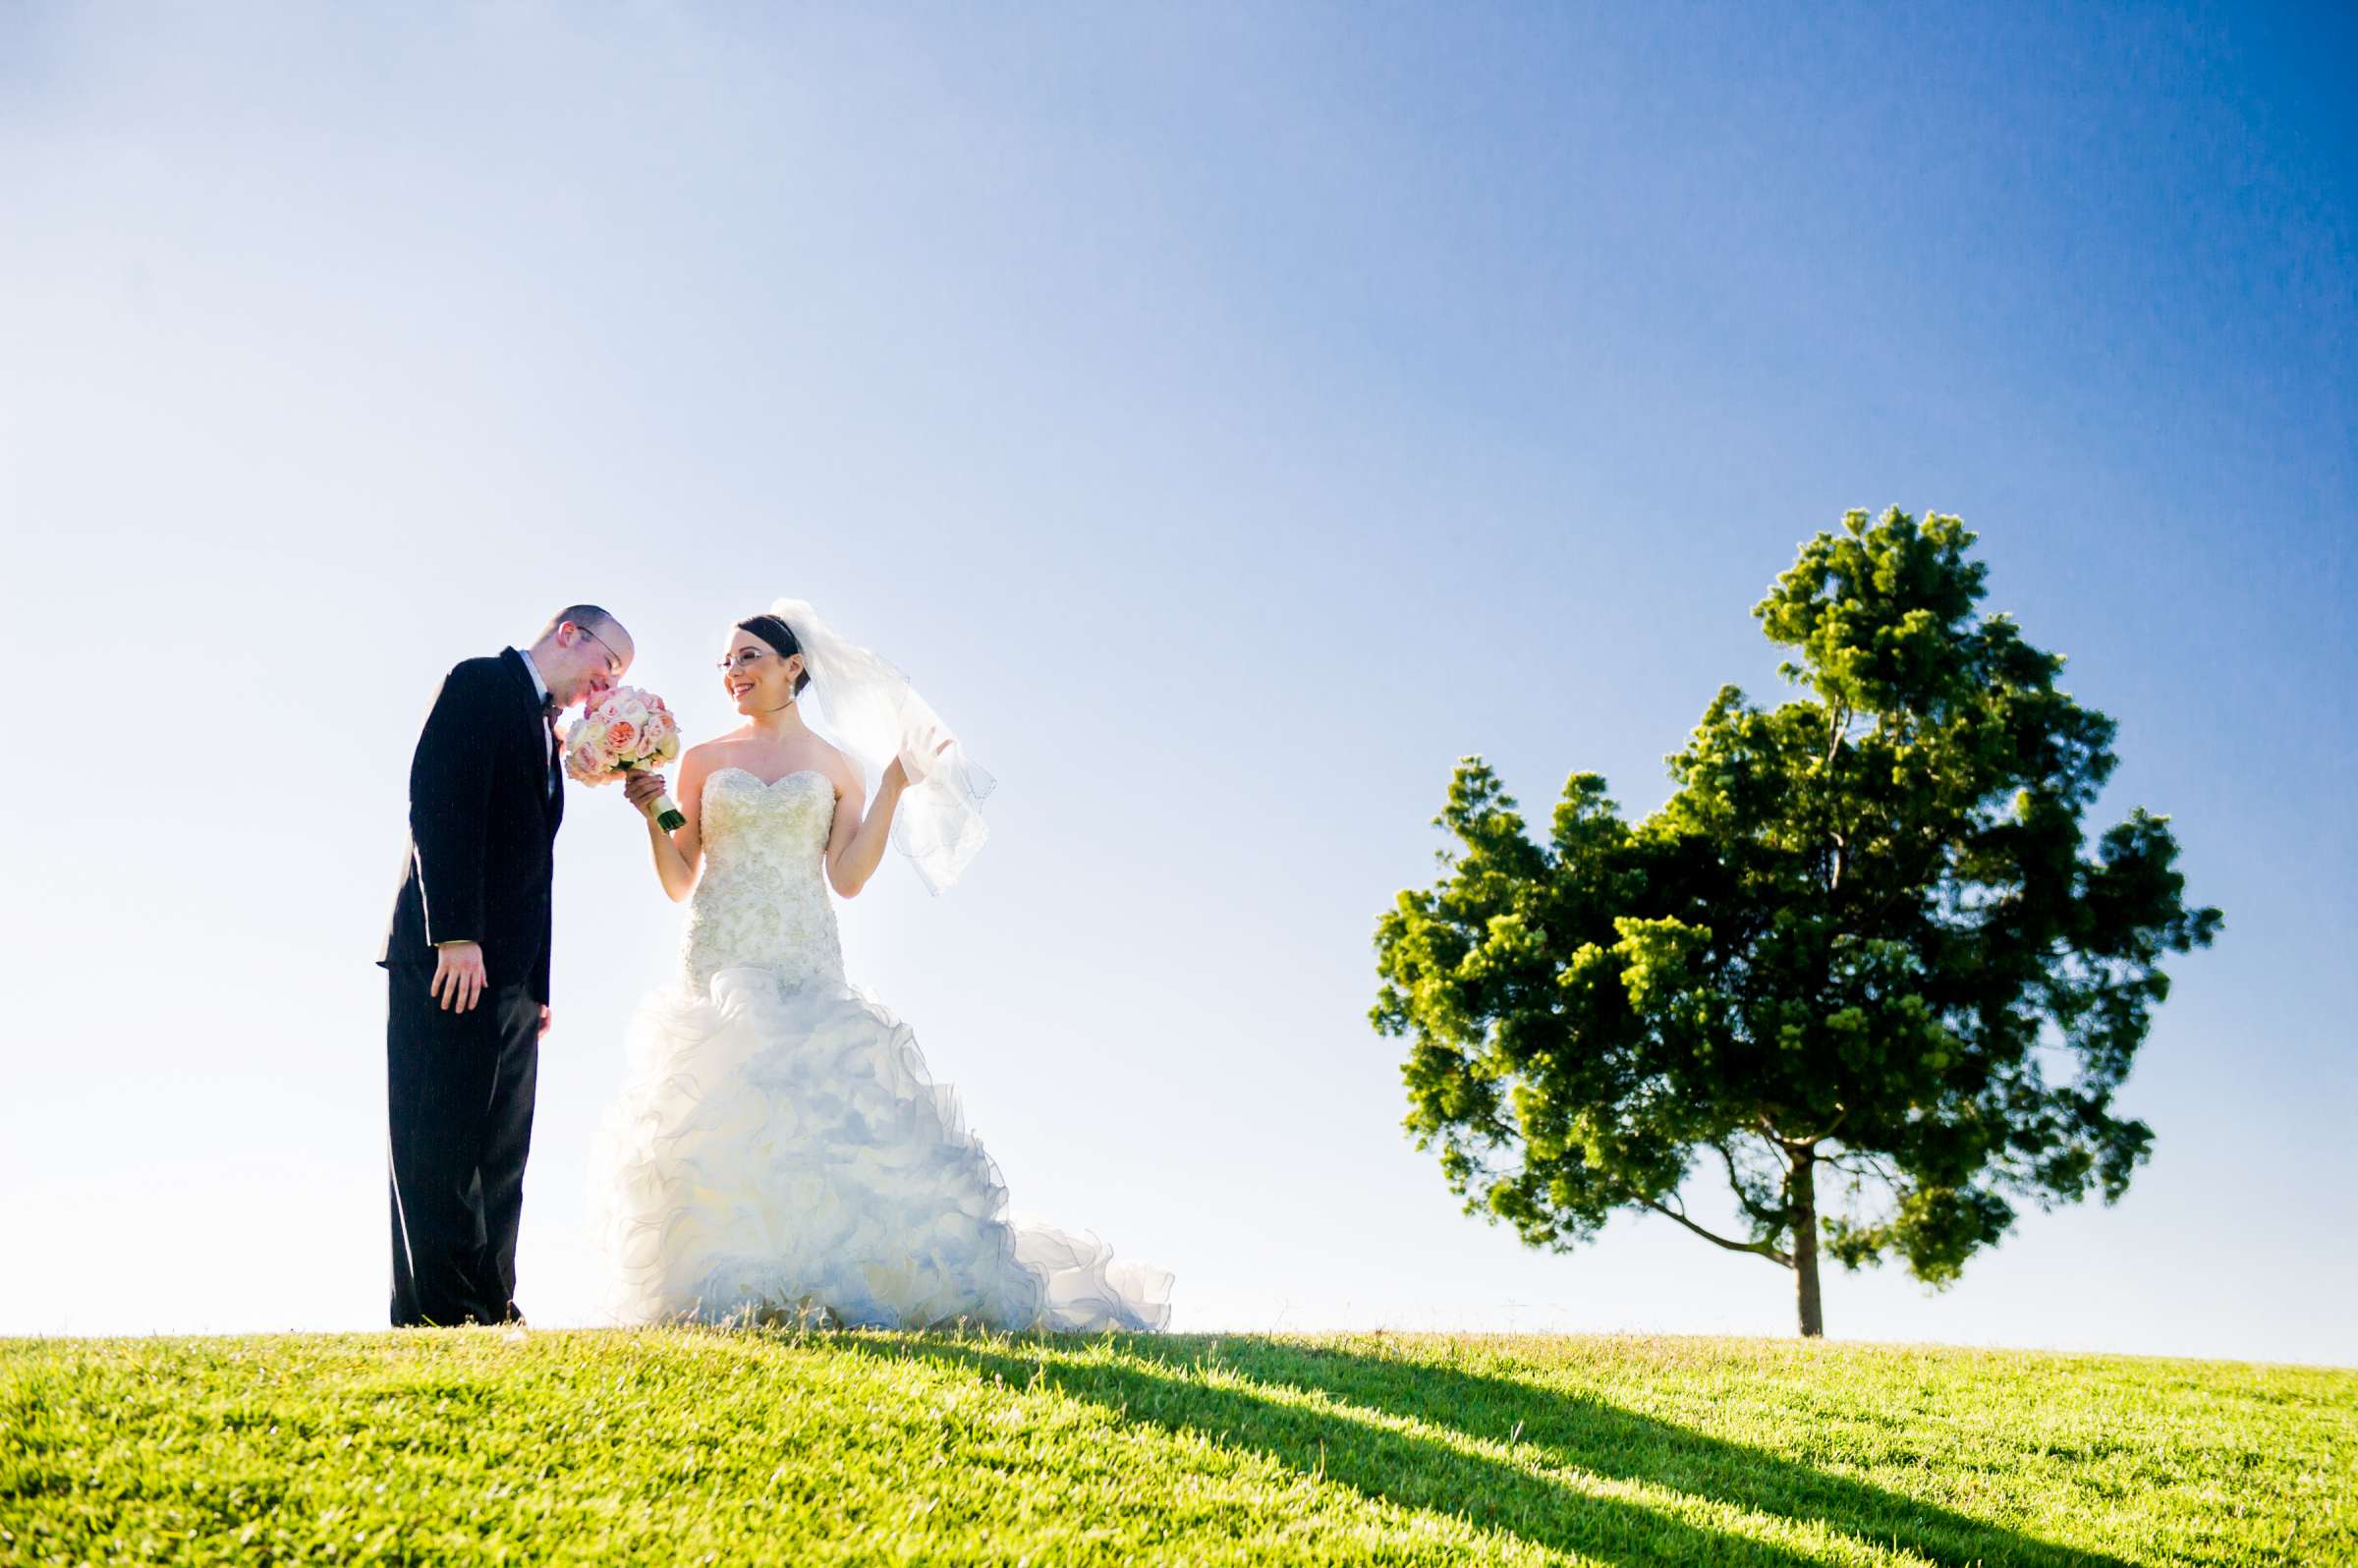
x=458, y=981
x=545, y=1020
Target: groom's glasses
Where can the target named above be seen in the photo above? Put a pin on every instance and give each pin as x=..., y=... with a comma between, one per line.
x=613, y=659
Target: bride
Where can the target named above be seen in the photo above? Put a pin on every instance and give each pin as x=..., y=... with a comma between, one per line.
x=779, y=1153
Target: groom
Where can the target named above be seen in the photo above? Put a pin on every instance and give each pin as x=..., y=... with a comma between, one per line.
x=466, y=959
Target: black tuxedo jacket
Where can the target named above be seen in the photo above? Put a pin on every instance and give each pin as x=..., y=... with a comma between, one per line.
x=483, y=815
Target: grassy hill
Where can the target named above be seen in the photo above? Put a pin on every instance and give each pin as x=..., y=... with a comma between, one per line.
x=682, y=1447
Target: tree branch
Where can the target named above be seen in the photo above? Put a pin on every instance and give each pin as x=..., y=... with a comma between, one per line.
x=1841, y=1115
x=1735, y=1182
x=1763, y=1249
x=1855, y=1164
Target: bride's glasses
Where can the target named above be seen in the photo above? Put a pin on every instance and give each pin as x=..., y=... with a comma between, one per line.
x=745, y=658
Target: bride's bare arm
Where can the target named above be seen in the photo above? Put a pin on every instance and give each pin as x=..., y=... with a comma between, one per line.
x=856, y=847
x=680, y=852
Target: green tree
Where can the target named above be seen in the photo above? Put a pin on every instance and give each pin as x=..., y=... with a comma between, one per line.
x=1863, y=966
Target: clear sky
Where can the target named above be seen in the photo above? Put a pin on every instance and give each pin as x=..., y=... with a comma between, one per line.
x=1231, y=416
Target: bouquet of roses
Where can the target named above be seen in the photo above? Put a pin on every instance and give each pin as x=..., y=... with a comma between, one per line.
x=627, y=729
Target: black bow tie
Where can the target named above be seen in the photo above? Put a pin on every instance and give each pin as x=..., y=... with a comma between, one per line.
x=549, y=708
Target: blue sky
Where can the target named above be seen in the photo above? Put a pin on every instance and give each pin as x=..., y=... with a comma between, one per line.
x=1231, y=417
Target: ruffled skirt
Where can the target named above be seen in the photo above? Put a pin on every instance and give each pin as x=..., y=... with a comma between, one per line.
x=779, y=1153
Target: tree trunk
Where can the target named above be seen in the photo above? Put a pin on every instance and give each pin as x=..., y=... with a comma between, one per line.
x=1802, y=1192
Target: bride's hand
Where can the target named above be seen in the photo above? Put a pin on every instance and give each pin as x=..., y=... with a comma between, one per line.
x=898, y=770
x=641, y=789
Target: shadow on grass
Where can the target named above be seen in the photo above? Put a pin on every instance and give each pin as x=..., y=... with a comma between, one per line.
x=1157, y=1381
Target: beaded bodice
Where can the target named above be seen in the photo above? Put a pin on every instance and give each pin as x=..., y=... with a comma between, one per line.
x=762, y=901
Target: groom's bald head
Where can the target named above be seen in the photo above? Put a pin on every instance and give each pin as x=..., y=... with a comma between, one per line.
x=582, y=653
x=590, y=618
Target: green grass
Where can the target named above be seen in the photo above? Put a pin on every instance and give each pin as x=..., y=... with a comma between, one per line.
x=680, y=1446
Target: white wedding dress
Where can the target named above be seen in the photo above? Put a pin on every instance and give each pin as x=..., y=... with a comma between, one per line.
x=779, y=1153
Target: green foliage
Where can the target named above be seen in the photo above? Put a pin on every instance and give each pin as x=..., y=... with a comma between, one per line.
x=1865, y=935
x=686, y=1446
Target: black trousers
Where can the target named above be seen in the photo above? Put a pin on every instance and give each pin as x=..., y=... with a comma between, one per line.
x=458, y=1100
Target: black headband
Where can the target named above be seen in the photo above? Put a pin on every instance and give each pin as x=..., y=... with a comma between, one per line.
x=776, y=633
